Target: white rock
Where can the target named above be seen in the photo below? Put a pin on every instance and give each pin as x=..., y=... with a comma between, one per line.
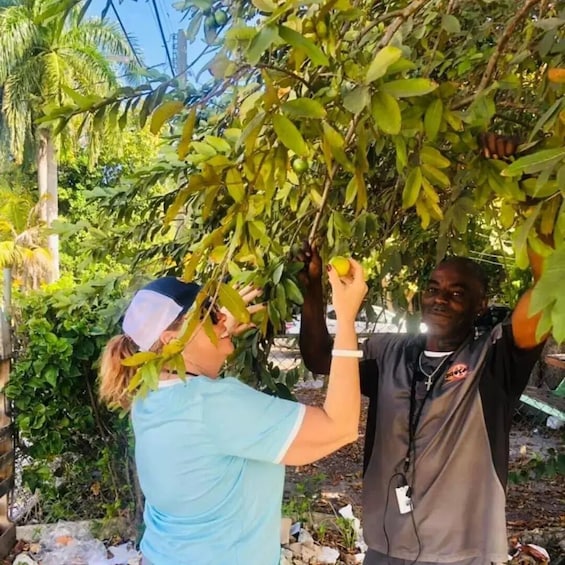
x=286, y=559
x=359, y=557
x=122, y=554
x=24, y=559
x=305, y=537
x=554, y=423
x=328, y=555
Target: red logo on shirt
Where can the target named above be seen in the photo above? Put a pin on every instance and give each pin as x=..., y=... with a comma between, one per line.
x=456, y=373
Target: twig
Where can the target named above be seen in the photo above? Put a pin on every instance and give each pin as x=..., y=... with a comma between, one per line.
x=283, y=71
x=329, y=179
x=450, y=7
x=497, y=53
x=404, y=14
x=385, y=17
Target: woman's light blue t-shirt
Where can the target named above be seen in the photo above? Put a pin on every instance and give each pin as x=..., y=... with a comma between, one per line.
x=208, y=456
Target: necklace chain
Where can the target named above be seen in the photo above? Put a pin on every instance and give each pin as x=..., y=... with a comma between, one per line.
x=430, y=376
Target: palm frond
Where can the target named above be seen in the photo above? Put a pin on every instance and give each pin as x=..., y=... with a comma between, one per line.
x=9, y=256
x=18, y=37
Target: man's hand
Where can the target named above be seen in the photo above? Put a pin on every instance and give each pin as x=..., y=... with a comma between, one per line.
x=248, y=293
x=313, y=268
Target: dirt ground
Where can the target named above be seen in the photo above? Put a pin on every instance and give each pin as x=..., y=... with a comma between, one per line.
x=532, y=504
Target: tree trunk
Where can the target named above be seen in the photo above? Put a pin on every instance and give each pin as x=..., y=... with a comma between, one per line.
x=48, y=194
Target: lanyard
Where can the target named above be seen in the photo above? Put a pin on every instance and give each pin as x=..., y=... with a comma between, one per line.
x=415, y=416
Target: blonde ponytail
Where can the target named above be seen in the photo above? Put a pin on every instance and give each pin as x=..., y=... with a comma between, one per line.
x=115, y=377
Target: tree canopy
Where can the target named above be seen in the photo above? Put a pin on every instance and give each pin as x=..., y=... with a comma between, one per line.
x=399, y=131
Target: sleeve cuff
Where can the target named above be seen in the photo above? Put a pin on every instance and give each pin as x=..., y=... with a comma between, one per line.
x=293, y=433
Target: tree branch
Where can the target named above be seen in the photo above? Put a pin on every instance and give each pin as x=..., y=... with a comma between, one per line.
x=329, y=179
x=497, y=53
x=403, y=15
x=284, y=72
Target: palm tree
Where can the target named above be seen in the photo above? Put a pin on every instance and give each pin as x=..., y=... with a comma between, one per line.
x=49, y=55
x=22, y=239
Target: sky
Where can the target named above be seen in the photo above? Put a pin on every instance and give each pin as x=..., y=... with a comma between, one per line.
x=139, y=19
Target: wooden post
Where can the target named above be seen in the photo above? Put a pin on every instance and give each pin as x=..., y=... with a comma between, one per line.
x=7, y=528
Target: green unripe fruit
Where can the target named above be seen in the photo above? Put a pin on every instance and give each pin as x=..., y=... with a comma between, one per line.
x=321, y=29
x=299, y=165
x=341, y=265
x=308, y=26
x=221, y=17
x=210, y=22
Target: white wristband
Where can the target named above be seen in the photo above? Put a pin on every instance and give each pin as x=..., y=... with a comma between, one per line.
x=347, y=353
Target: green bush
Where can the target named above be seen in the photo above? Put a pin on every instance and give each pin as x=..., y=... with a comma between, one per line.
x=80, y=453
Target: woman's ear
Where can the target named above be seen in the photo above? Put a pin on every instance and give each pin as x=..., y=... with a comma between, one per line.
x=167, y=336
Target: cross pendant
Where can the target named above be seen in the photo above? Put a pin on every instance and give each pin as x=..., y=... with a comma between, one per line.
x=429, y=382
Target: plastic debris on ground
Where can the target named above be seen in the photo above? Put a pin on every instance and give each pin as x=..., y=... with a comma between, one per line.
x=70, y=543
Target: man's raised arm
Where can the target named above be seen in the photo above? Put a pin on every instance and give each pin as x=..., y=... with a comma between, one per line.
x=315, y=342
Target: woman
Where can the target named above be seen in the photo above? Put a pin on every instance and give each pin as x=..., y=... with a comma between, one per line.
x=210, y=452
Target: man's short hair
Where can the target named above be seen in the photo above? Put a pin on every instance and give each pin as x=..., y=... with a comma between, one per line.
x=472, y=267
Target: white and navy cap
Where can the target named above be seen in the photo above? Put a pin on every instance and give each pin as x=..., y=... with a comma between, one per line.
x=155, y=307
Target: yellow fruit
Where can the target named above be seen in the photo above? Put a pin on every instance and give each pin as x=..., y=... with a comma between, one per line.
x=341, y=265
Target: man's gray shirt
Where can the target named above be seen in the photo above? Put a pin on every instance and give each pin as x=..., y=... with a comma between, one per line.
x=458, y=476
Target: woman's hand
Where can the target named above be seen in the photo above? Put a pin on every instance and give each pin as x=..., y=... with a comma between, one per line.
x=347, y=292
x=248, y=293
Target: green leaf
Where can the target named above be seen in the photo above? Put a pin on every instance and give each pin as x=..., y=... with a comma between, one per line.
x=293, y=292
x=139, y=359
x=280, y=299
x=289, y=135
x=548, y=292
x=436, y=176
x=406, y=87
x=50, y=375
x=521, y=235
x=82, y=101
x=261, y=42
x=163, y=113
x=450, y=24
x=232, y=300
x=334, y=138
x=234, y=184
x=186, y=135
x=298, y=41
x=218, y=143
x=534, y=163
x=351, y=191
x=383, y=60
x=412, y=187
x=304, y=108
x=266, y=6
x=431, y=156
x=386, y=113
x=432, y=119
x=357, y=99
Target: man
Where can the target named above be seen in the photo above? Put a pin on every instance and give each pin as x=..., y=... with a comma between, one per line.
x=440, y=409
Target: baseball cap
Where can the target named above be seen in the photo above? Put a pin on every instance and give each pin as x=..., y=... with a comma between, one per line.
x=155, y=307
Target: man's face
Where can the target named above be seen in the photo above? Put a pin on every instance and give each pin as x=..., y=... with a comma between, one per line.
x=451, y=302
